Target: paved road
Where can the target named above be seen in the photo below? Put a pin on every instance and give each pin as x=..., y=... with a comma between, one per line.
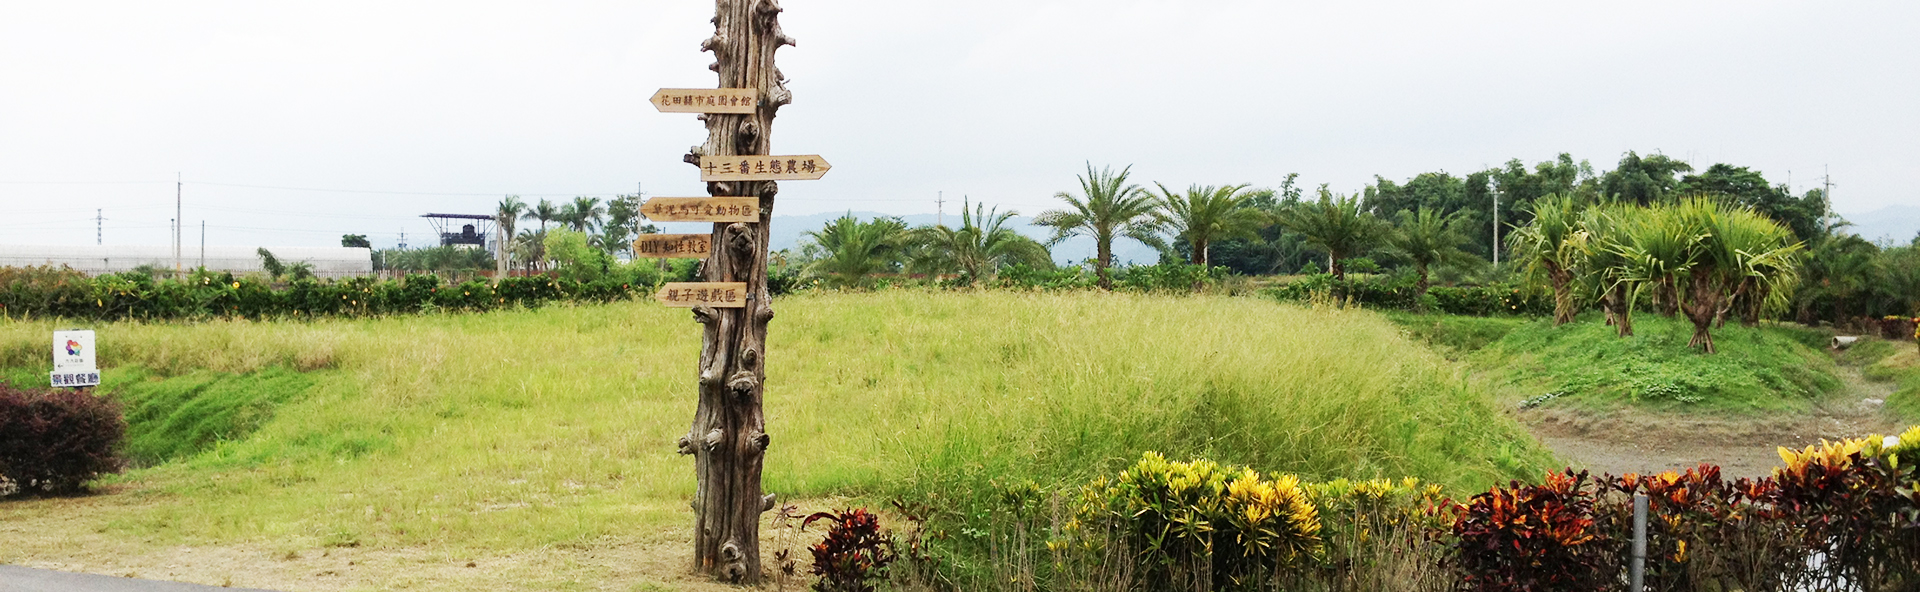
x=14, y=578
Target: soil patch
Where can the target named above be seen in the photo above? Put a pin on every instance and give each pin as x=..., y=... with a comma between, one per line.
x=1638, y=441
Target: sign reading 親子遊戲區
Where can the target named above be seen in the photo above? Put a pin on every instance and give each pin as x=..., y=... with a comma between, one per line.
x=73, y=360
x=714, y=294
x=702, y=209
x=672, y=246
x=706, y=100
x=763, y=168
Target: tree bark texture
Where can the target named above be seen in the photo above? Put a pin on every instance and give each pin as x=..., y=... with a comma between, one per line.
x=1618, y=304
x=1563, y=301
x=1702, y=305
x=728, y=439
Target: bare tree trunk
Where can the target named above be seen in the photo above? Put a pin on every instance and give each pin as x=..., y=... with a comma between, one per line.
x=1703, y=304
x=728, y=438
x=1420, y=287
x=1103, y=263
x=1618, y=304
x=1563, y=301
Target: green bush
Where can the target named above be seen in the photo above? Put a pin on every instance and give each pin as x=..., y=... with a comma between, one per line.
x=45, y=292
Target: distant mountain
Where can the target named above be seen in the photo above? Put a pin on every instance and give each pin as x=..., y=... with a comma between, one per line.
x=1897, y=224
x=786, y=234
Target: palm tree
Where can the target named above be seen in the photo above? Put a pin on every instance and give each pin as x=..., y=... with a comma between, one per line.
x=1741, y=253
x=544, y=211
x=980, y=247
x=1205, y=214
x=1428, y=239
x=1551, y=245
x=510, y=210
x=584, y=214
x=1335, y=225
x=853, y=250
x=1606, y=272
x=1106, y=207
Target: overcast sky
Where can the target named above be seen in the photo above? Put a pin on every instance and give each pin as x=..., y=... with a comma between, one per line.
x=293, y=123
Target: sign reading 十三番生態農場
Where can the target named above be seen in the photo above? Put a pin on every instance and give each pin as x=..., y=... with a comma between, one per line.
x=751, y=167
x=73, y=359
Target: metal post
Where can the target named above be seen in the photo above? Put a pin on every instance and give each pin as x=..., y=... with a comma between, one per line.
x=1637, y=571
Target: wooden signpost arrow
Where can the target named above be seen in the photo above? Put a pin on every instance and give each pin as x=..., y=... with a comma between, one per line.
x=706, y=100
x=714, y=294
x=806, y=167
x=702, y=209
x=673, y=246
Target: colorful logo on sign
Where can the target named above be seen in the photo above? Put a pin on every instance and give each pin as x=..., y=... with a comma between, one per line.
x=73, y=347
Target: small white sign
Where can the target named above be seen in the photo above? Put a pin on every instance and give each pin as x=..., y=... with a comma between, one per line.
x=73, y=359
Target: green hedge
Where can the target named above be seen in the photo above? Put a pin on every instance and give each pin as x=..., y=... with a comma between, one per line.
x=64, y=293
x=1399, y=294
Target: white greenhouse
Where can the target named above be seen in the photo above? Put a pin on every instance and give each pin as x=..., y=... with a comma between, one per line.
x=327, y=262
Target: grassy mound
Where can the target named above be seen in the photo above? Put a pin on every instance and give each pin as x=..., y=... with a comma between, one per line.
x=1757, y=368
x=1895, y=362
x=524, y=429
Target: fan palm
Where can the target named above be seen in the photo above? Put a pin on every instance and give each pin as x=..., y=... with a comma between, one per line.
x=1335, y=225
x=853, y=250
x=1551, y=245
x=1106, y=207
x=1205, y=214
x=980, y=247
x=1428, y=239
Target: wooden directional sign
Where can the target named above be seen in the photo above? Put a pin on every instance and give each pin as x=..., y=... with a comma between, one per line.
x=763, y=168
x=702, y=209
x=706, y=100
x=714, y=294
x=673, y=246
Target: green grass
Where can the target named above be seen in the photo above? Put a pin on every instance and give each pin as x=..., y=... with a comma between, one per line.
x=555, y=428
x=1755, y=370
x=1897, y=362
x=1455, y=335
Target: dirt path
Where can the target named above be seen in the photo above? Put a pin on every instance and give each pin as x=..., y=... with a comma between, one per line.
x=1642, y=442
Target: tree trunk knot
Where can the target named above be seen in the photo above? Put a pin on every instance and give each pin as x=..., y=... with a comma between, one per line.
x=766, y=502
x=764, y=313
x=693, y=155
x=704, y=315
x=761, y=440
x=750, y=359
x=713, y=439
x=740, y=238
x=743, y=382
x=685, y=445
x=748, y=138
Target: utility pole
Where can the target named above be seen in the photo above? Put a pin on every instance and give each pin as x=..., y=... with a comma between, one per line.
x=940, y=208
x=203, y=244
x=177, y=221
x=403, y=239
x=728, y=437
x=99, y=225
x=1496, y=224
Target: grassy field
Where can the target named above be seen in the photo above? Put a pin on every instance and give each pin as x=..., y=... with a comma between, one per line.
x=1759, y=369
x=1892, y=362
x=550, y=433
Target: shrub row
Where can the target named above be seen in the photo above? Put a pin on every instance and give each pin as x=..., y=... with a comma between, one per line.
x=55, y=441
x=1401, y=294
x=61, y=292
x=1839, y=516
